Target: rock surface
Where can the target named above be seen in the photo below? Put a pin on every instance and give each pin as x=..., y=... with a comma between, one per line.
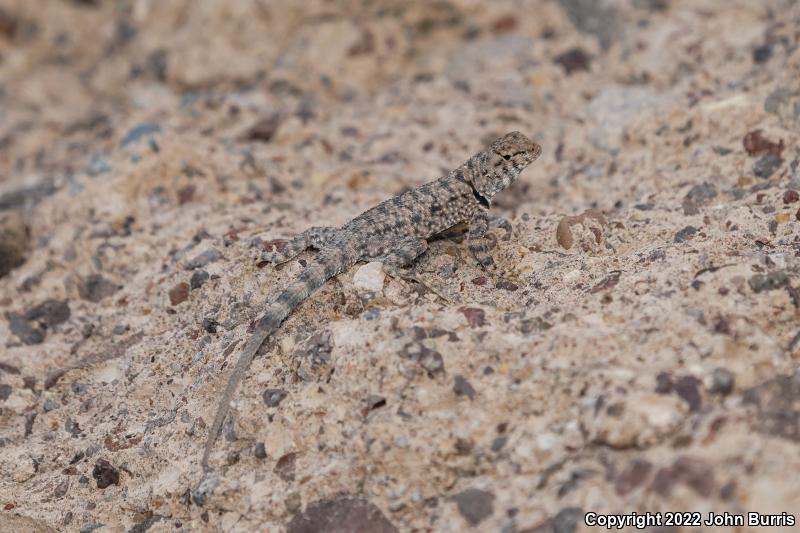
x=153, y=149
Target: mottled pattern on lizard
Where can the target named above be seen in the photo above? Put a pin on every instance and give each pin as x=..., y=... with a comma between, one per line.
x=394, y=232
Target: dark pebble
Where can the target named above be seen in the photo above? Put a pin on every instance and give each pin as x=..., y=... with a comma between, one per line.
x=95, y=288
x=49, y=405
x=688, y=388
x=722, y=381
x=506, y=285
x=755, y=143
x=105, y=474
x=567, y=520
x=767, y=165
x=210, y=325
x=375, y=401
x=273, y=397
x=139, y=131
x=264, y=129
x=5, y=391
x=285, y=467
x=260, y=451
x=199, y=277
x=790, y=197
x=684, y=234
x=462, y=387
x=49, y=313
x=761, y=54
x=768, y=282
x=475, y=505
x=573, y=60
x=179, y=293
x=499, y=443
x=475, y=316
x=72, y=427
x=24, y=331
x=316, y=349
x=479, y=281
x=200, y=260
x=341, y=515
x=698, y=195
x=663, y=383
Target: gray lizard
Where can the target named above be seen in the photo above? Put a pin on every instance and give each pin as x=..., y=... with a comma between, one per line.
x=394, y=232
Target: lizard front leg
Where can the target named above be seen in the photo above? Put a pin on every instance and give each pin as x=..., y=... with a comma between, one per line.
x=317, y=237
x=480, y=240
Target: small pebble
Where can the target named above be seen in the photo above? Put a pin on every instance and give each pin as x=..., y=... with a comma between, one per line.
x=767, y=165
x=260, y=450
x=179, y=293
x=768, y=282
x=199, y=277
x=722, y=381
x=375, y=401
x=761, y=54
x=475, y=317
x=105, y=474
x=462, y=387
x=204, y=490
x=369, y=277
x=684, y=234
x=573, y=60
x=139, y=131
x=210, y=325
x=199, y=261
x=790, y=197
x=755, y=143
x=95, y=288
x=273, y=397
x=49, y=405
x=475, y=505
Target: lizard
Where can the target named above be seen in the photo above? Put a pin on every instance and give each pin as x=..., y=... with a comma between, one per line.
x=395, y=232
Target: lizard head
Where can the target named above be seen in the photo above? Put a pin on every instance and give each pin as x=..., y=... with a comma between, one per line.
x=500, y=165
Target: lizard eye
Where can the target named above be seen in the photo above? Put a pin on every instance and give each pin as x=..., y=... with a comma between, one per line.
x=506, y=157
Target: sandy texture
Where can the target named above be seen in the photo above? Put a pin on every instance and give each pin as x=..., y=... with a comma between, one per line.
x=153, y=148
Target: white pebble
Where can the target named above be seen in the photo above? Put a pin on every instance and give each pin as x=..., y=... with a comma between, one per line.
x=370, y=277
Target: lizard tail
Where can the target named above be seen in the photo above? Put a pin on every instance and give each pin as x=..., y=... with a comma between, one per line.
x=312, y=278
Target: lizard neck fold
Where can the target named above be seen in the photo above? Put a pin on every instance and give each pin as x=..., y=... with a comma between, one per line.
x=480, y=198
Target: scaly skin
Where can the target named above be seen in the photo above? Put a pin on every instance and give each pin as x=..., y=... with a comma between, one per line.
x=394, y=232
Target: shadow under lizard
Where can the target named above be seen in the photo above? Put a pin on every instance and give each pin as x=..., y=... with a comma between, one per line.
x=395, y=232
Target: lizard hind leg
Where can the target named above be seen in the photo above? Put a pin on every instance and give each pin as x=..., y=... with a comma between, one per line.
x=396, y=255
x=317, y=237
